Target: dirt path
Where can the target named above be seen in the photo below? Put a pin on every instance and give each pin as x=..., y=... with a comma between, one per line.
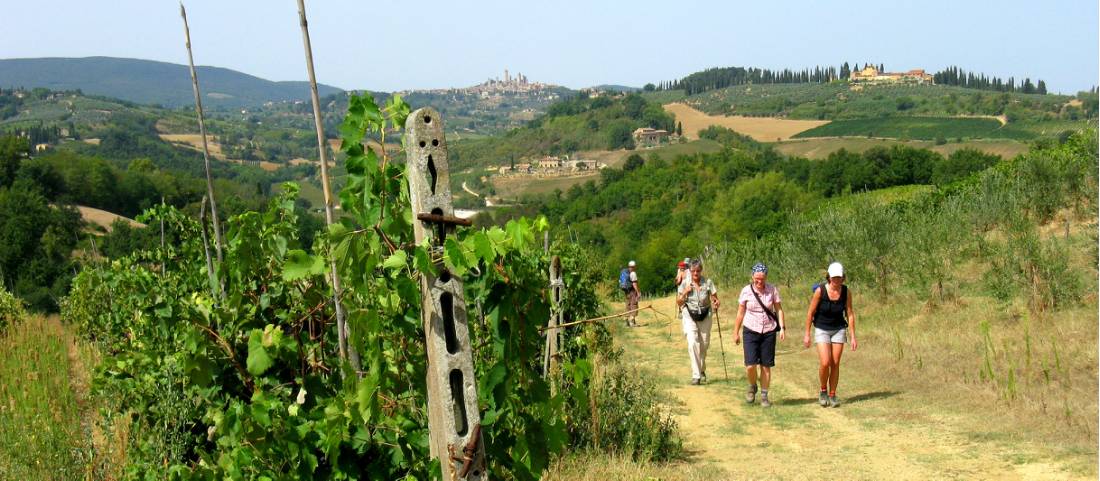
x=879, y=432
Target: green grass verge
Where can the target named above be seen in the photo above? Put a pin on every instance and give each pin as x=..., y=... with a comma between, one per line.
x=41, y=433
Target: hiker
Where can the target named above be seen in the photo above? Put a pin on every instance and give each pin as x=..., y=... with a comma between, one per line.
x=833, y=320
x=628, y=282
x=761, y=312
x=695, y=297
x=682, y=271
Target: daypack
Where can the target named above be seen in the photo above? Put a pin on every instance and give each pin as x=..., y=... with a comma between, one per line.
x=814, y=288
x=624, y=280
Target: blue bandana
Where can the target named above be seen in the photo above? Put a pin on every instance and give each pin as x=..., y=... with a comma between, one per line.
x=759, y=267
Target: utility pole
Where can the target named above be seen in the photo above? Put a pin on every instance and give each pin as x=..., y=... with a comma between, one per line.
x=454, y=420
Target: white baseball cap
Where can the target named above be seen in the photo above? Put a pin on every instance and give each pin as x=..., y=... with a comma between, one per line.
x=630, y=264
x=687, y=260
x=836, y=270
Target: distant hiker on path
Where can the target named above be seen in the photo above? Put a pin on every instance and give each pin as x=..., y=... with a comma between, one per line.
x=833, y=320
x=682, y=271
x=761, y=311
x=695, y=297
x=628, y=282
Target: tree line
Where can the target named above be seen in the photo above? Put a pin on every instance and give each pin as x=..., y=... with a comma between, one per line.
x=722, y=77
x=962, y=78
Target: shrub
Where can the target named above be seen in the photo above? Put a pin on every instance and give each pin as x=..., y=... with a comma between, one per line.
x=11, y=309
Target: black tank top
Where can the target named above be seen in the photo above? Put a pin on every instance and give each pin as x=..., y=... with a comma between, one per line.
x=830, y=314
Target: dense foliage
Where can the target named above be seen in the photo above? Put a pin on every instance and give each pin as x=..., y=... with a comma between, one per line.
x=837, y=101
x=242, y=378
x=921, y=240
x=661, y=211
x=579, y=123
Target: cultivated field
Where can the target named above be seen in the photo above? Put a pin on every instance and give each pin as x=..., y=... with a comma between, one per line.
x=763, y=129
x=102, y=218
x=194, y=142
x=822, y=147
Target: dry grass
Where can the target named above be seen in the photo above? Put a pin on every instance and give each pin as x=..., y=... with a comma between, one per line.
x=763, y=129
x=194, y=142
x=916, y=406
x=104, y=219
x=820, y=148
x=602, y=467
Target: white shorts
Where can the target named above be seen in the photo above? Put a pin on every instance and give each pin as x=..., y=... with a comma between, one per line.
x=822, y=336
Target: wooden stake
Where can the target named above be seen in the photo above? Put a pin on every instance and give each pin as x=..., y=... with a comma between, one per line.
x=162, y=250
x=202, y=131
x=347, y=352
x=214, y=285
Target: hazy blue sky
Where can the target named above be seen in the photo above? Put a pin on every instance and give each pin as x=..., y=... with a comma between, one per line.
x=393, y=45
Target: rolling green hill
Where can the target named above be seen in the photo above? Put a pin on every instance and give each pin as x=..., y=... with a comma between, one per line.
x=150, y=82
x=838, y=101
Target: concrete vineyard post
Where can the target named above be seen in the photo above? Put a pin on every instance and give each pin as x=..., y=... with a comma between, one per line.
x=557, y=293
x=453, y=417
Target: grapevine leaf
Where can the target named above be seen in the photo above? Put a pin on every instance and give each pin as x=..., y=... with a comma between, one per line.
x=396, y=261
x=258, y=360
x=299, y=265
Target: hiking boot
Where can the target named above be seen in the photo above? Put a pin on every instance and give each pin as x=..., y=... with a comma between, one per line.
x=750, y=395
x=834, y=401
x=823, y=399
x=694, y=381
x=764, y=402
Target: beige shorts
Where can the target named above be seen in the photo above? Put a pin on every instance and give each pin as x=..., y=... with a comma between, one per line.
x=822, y=336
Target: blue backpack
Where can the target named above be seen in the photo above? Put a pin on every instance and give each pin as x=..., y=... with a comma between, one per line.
x=624, y=280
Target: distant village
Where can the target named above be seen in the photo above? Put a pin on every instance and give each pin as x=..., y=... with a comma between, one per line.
x=509, y=84
x=551, y=166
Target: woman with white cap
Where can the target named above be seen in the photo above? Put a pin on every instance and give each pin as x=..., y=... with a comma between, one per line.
x=833, y=322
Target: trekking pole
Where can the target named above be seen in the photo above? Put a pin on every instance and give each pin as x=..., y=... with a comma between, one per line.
x=720, y=345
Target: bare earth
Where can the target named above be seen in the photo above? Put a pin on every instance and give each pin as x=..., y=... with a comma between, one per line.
x=881, y=431
x=763, y=129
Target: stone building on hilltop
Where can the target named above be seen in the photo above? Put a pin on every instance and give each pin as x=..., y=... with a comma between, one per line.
x=871, y=75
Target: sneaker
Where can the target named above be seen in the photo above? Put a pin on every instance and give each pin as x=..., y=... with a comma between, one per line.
x=750, y=395
x=834, y=401
x=703, y=380
x=823, y=399
x=764, y=402
x=694, y=381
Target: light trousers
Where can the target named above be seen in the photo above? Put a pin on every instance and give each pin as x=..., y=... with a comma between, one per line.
x=698, y=340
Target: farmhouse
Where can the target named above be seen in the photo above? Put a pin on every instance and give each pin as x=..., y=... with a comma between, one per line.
x=548, y=163
x=871, y=75
x=647, y=137
x=582, y=165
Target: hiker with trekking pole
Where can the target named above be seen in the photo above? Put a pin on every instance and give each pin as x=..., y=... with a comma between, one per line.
x=695, y=298
x=760, y=312
x=628, y=283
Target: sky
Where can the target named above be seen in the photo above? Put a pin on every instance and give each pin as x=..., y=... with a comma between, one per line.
x=392, y=45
